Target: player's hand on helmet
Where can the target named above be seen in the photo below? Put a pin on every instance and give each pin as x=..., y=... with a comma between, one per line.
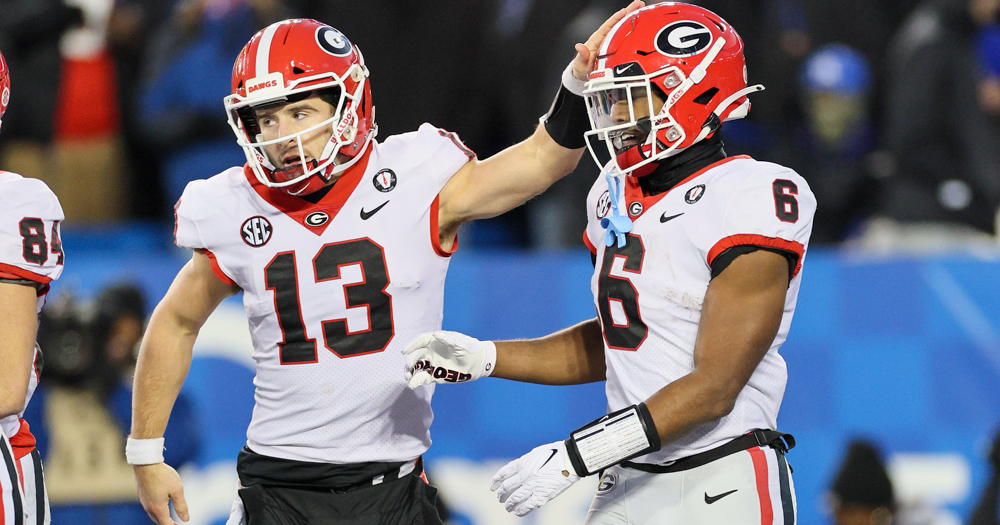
x=157, y=485
x=586, y=53
x=448, y=357
x=532, y=480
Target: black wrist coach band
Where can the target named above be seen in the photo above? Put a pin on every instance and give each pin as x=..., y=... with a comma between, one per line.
x=636, y=417
x=567, y=119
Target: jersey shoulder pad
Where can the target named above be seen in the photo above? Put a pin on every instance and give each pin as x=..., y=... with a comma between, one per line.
x=598, y=206
x=432, y=151
x=767, y=205
x=28, y=197
x=202, y=200
x=30, y=244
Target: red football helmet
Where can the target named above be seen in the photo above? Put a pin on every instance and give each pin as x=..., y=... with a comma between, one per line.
x=287, y=61
x=685, y=54
x=4, y=86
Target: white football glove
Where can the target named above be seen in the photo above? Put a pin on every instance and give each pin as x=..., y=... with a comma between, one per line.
x=533, y=479
x=448, y=357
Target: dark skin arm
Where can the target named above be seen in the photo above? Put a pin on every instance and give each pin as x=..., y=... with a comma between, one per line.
x=571, y=356
x=740, y=317
x=739, y=320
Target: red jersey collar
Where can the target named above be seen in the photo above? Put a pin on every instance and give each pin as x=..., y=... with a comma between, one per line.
x=298, y=208
x=633, y=192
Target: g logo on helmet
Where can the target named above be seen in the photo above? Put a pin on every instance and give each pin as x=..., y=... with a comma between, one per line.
x=333, y=41
x=683, y=39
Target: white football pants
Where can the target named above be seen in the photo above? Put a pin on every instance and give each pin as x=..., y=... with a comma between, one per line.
x=23, y=500
x=750, y=487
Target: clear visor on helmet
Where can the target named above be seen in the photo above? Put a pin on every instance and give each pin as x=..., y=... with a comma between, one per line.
x=619, y=105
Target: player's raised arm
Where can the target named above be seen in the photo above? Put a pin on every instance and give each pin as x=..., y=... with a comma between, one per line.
x=18, y=326
x=489, y=187
x=164, y=359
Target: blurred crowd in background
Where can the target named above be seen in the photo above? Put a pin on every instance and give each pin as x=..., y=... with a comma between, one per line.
x=889, y=108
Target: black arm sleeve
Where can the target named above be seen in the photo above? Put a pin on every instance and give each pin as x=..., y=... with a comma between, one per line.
x=724, y=259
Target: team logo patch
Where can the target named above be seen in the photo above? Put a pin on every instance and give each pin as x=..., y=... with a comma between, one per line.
x=5, y=97
x=603, y=205
x=608, y=482
x=333, y=41
x=256, y=231
x=694, y=194
x=317, y=218
x=683, y=39
x=635, y=208
x=385, y=180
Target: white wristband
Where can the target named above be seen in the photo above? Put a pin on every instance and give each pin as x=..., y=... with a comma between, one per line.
x=491, y=358
x=144, y=451
x=571, y=83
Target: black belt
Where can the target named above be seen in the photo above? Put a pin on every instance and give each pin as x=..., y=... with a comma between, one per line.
x=779, y=441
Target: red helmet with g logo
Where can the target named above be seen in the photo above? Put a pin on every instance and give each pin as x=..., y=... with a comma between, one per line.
x=289, y=61
x=4, y=86
x=686, y=55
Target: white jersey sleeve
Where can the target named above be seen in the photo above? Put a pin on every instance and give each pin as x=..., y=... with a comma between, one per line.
x=448, y=152
x=772, y=207
x=197, y=210
x=30, y=246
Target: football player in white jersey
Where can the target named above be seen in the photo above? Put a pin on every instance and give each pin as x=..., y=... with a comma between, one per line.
x=340, y=245
x=31, y=257
x=698, y=260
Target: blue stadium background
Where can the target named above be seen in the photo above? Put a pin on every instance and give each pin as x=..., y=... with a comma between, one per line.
x=902, y=350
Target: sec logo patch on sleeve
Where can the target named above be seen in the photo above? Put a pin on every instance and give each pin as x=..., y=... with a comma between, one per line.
x=256, y=231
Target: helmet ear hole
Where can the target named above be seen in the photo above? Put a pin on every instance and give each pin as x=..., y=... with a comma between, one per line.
x=706, y=97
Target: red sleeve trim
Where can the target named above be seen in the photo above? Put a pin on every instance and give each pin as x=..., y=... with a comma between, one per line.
x=216, y=269
x=436, y=232
x=23, y=442
x=757, y=240
x=21, y=273
x=590, y=245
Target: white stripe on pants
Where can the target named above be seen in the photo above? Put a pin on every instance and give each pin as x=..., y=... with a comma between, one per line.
x=745, y=488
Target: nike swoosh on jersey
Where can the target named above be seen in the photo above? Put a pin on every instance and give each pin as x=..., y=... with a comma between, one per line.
x=365, y=215
x=712, y=499
x=550, y=457
x=664, y=218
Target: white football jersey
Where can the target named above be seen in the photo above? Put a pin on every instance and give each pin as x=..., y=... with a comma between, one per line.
x=30, y=248
x=649, y=293
x=333, y=291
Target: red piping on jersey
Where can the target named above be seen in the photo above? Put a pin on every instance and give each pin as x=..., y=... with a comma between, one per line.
x=176, y=207
x=297, y=208
x=757, y=240
x=436, y=232
x=216, y=269
x=760, y=473
x=22, y=442
x=590, y=245
x=21, y=273
x=633, y=192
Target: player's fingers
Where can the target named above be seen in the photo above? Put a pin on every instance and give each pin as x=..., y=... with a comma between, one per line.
x=509, y=487
x=505, y=472
x=420, y=378
x=421, y=341
x=526, y=507
x=595, y=39
x=180, y=504
x=517, y=498
x=161, y=515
